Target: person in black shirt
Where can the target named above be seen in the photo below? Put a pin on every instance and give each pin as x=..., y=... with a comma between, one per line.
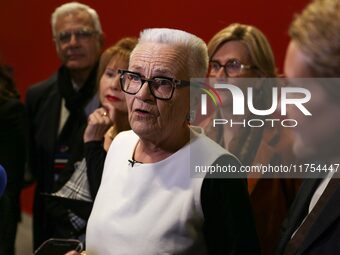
x=13, y=138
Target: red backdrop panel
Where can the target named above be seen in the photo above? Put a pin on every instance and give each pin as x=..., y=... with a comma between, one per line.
x=26, y=41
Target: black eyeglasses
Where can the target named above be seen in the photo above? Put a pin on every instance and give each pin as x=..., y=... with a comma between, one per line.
x=80, y=34
x=160, y=87
x=232, y=68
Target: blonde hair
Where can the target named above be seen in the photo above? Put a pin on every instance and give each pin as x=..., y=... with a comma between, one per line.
x=121, y=49
x=258, y=46
x=316, y=32
x=245, y=143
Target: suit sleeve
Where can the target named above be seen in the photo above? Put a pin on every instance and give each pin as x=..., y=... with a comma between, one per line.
x=229, y=226
x=31, y=106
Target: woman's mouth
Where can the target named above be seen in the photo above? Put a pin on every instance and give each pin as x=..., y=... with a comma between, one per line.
x=113, y=98
x=142, y=112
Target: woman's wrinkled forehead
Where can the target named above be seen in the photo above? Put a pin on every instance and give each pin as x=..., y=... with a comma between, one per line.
x=161, y=57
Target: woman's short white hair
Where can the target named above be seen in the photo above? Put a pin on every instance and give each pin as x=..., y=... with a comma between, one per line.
x=72, y=7
x=195, y=47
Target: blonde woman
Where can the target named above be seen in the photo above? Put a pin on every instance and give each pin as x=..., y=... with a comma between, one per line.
x=243, y=51
x=110, y=119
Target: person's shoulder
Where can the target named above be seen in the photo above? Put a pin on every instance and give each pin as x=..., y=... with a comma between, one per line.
x=123, y=140
x=124, y=135
x=42, y=87
x=12, y=105
x=228, y=158
x=12, y=116
x=41, y=92
x=204, y=143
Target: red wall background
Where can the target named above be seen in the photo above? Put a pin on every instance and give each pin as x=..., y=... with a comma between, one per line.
x=26, y=41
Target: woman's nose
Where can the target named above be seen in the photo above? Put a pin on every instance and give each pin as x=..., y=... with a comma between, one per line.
x=144, y=93
x=218, y=73
x=221, y=73
x=115, y=83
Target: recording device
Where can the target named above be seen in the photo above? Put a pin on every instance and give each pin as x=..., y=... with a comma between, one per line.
x=56, y=246
x=3, y=180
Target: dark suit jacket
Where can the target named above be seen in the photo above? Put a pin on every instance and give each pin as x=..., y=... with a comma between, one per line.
x=324, y=236
x=43, y=102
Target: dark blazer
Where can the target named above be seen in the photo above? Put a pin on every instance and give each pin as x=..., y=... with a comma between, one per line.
x=43, y=102
x=12, y=158
x=324, y=236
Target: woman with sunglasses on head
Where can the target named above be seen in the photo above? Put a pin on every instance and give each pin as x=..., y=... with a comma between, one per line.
x=243, y=51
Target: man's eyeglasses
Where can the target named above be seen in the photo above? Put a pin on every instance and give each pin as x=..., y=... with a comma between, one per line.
x=80, y=34
x=232, y=68
x=160, y=87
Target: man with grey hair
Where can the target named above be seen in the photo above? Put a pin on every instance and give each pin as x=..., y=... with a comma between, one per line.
x=147, y=202
x=57, y=113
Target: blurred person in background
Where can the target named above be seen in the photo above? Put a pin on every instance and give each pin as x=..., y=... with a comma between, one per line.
x=243, y=51
x=103, y=125
x=58, y=109
x=13, y=150
x=313, y=223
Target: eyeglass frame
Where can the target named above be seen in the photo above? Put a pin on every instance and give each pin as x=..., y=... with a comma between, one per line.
x=175, y=83
x=242, y=66
x=88, y=32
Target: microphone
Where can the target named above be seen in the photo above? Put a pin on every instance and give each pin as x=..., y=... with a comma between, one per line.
x=3, y=180
x=132, y=162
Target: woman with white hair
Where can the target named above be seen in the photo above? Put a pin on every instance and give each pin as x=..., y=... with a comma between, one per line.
x=148, y=201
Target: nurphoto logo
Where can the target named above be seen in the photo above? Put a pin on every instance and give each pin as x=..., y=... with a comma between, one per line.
x=239, y=101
